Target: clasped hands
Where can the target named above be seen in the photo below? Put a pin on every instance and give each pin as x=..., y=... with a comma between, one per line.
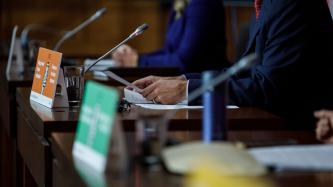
x=164, y=90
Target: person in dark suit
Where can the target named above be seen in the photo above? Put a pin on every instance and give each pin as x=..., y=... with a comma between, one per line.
x=294, y=39
x=195, y=40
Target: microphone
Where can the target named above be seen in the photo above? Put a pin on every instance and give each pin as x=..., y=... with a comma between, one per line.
x=24, y=38
x=245, y=63
x=136, y=33
x=139, y=30
x=77, y=29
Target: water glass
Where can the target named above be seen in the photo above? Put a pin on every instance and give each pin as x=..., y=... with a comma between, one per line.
x=151, y=136
x=74, y=81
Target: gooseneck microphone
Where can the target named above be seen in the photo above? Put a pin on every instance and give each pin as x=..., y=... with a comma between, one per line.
x=139, y=30
x=245, y=63
x=77, y=29
x=136, y=33
x=24, y=38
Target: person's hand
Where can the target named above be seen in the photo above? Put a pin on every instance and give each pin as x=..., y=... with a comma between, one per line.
x=324, y=130
x=147, y=81
x=166, y=91
x=126, y=56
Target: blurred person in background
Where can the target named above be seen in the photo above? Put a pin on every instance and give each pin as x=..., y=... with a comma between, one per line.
x=195, y=40
x=294, y=42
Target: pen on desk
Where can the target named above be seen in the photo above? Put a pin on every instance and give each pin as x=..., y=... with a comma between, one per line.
x=123, y=81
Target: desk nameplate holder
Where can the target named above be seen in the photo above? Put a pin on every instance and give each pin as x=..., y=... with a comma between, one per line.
x=99, y=134
x=47, y=78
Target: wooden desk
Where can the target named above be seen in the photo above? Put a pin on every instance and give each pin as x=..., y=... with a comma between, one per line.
x=36, y=123
x=45, y=120
x=9, y=84
x=64, y=173
x=8, y=115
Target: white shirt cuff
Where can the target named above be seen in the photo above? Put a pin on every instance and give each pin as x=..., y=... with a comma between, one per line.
x=185, y=101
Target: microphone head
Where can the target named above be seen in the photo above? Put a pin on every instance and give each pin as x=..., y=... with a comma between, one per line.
x=247, y=61
x=99, y=12
x=141, y=29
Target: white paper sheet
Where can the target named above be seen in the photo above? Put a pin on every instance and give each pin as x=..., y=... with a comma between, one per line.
x=304, y=157
x=139, y=100
x=174, y=107
x=135, y=97
x=167, y=107
x=101, y=65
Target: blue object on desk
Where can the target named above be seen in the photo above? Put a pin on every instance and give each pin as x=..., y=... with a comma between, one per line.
x=214, y=113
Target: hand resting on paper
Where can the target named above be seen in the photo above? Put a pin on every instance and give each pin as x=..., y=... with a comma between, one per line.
x=164, y=90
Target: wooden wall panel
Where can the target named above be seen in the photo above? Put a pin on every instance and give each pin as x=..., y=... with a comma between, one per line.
x=242, y=16
x=123, y=16
x=121, y=19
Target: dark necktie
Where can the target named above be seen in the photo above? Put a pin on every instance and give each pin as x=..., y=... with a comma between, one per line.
x=257, y=6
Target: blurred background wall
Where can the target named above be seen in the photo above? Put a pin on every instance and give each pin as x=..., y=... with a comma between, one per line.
x=122, y=17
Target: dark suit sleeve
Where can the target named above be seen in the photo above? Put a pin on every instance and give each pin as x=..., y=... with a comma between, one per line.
x=193, y=76
x=282, y=43
x=194, y=84
x=199, y=15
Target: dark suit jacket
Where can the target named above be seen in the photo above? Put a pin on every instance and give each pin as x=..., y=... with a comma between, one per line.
x=195, y=42
x=294, y=39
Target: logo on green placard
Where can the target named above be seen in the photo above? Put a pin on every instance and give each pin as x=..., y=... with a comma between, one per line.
x=97, y=115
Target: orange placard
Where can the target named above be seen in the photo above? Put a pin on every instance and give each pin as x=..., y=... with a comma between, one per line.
x=46, y=73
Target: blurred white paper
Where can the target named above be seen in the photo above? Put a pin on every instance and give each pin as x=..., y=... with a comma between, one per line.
x=101, y=65
x=116, y=77
x=100, y=75
x=135, y=97
x=139, y=100
x=303, y=157
x=175, y=107
x=167, y=107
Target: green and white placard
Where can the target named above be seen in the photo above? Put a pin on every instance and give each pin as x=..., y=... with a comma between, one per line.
x=98, y=112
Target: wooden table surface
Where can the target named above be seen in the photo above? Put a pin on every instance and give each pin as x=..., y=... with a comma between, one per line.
x=8, y=114
x=46, y=120
x=36, y=123
x=65, y=174
x=10, y=82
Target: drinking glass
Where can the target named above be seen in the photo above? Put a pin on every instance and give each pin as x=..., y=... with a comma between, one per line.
x=74, y=81
x=151, y=137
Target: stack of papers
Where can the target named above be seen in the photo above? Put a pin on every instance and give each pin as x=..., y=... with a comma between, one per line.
x=304, y=157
